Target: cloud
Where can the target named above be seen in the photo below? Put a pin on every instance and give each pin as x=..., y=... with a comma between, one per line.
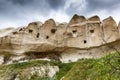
x=59, y=16
x=55, y=4
x=96, y=5
x=75, y=7
x=21, y=12
x=103, y=8
x=88, y=8
x=20, y=2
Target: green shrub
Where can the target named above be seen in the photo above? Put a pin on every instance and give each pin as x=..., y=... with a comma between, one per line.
x=106, y=68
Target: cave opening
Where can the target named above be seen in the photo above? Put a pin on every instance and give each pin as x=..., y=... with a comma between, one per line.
x=85, y=41
x=38, y=34
x=30, y=31
x=91, y=31
x=47, y=37
x=74, y=31
x=53, y=30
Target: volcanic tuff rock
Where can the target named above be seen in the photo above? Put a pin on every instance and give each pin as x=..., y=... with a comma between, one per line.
x=80, y=38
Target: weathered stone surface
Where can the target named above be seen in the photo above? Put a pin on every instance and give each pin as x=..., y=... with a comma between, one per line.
x=1, y=59
x=28, y=72
x=119, y=28
x=110, y=32
x=76, y=32
x=76, y=36
x=94, y=18
x=48, y=30
x=33, y=28
x=61, y=28
x=80, y=37
x=77, y=19
x=94, y=31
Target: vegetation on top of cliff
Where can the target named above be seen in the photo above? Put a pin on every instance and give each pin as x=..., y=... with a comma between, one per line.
x=106, y=68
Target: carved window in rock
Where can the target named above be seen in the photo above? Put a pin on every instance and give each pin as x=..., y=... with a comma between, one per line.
x=38, y=34
x=47, y=37
x=91, y=31
x=85, y=41
x=53, y=30
x=30, y=31
x=74, y=33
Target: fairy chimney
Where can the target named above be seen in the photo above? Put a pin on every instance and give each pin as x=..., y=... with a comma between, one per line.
x=48, y=30
x=61, y=28
x=76, y=33
x=110, y=32
x=33, y=29
x=94, y=31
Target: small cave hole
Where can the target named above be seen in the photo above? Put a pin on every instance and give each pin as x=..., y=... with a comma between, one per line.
x=85, y=41
x=30, y=31
x=74, y=31
x=53, y=30
x=38, y=34
x=91, y=31
x=47, y=37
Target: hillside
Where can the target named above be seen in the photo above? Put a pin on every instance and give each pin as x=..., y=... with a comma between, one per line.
x=35, y=70
x=105, y=68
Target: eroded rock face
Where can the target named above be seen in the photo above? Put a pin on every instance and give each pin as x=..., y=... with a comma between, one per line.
x=110, y=30
x=1, y=59
x=94, y=18
x=94, y=31
x=79, y=36
x=77, y=19
x=48, y=30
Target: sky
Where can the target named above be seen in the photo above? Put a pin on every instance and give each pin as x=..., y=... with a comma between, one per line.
x=16, y=13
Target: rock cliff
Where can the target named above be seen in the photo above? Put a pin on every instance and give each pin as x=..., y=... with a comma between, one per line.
x=80, y=38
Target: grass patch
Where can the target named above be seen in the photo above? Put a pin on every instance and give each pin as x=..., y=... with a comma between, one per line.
x=106, y=68
x=64, y=68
